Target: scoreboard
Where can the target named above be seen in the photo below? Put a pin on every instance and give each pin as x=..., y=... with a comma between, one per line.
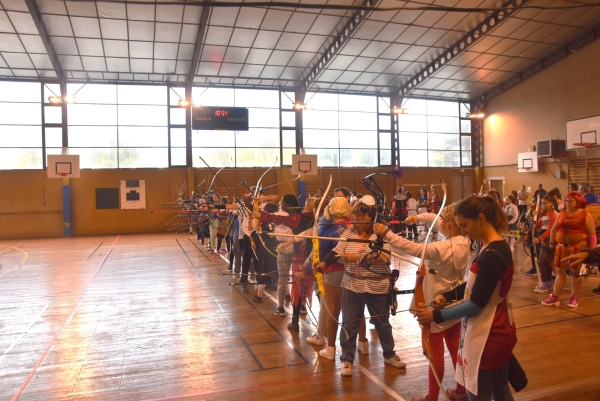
x=220, y=118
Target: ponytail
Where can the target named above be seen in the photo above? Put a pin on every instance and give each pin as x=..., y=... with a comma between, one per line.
x=472, y=206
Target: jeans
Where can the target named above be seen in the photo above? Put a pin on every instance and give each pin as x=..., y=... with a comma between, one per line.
x=284, y=263
x=492, y=384
x=353, y=311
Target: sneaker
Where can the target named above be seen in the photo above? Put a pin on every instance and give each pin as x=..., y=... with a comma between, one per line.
x=363, y=347
x=329, y=353
x=531, y=272
x=346, y=369
x=315, y=340
x=244, y=289
x=456, y=396
x=223, y=250
x=551, y=300
x=293, y=326
x=257, y=299
x=280, y=311
x=545, y=287
x=395, y=361
x=572, y=302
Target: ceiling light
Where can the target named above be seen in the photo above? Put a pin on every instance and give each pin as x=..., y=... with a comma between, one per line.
x=183, y=103
x=400, y=110
x=55, y=100
x=70, y=99
x=298, y=106
x=474, y=115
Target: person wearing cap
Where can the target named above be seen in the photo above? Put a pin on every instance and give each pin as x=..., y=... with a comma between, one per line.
x=449, y=259
x=363, y=285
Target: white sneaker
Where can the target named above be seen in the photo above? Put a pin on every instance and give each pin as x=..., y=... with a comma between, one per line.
x=363, y=347
x=346, y=368
x=329, y=353
x=315, y=340
x=395, y=361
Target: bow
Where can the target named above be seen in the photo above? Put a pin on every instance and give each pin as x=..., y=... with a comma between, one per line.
x=254, y=223
x=216, y=174
x=535, y=255
x=419, y=296
x=315, y=241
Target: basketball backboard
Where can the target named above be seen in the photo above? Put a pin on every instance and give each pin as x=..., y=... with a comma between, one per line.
x=63, y=166
x=305, y=164
x=583, y=130
x=527, y=162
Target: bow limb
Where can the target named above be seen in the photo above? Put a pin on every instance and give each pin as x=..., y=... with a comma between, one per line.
x=419, y=297
x=217, y=173
x=254, y=223
x=315, y=241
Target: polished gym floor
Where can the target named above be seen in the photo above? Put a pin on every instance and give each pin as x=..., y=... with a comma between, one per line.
x=149, y=317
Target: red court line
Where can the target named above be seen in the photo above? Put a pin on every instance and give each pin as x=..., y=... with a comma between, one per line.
x=71, y=314
x=230, y=390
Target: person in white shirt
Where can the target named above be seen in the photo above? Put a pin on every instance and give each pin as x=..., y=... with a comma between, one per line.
x=411, y=210
x=512, y=213
x=522, y=196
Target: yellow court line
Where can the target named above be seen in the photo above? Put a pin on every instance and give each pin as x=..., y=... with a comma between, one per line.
x=17, y=265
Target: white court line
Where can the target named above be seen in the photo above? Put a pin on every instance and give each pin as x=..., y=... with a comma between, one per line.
x=25, y=332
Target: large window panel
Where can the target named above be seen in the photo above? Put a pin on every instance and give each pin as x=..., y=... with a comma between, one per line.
x=142, y=94
x=444, y=142
x=96, y=157
x=358, y=121
x=142, y=115
x=92, y=136
x=361, y=157
x=143, y=137
x=178, y=157
x=90, y=93
x=416, y=106
x=252, y=98
x=441, y=108
x=143, y=157
x=178, y=137
x=214, y=139
x=357, y=103
x=465, y=126
x=215, y=157
x=385, y=140
x=385, y=157
x=258, y=138
x=314, y=138
x=413, y=158
x=53, y=137
x=444, y=158
x=20, y=158
x=263, y=117
x=325, y=157
x=92, y=114
x=322, y=101
x=358, y=139
x=320, y=119
x=288, y=119
x=287, y=156
x=177, y=115
x=52, y=115
x=442, y=124
x=214, y=96
x=385, y=122
x=288, y=138
x=256, y=157
x=17, y=136
x=412, y=123
x=412, y=140
x=21, y=113
x=19, y=92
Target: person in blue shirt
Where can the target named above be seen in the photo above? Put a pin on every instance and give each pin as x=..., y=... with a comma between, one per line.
x=585, y=190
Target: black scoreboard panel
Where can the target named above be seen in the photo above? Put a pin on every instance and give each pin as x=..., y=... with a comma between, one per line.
x=220, y=118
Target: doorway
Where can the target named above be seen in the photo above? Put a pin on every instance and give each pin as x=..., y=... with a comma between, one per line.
x=497, y=183
x=462, y=186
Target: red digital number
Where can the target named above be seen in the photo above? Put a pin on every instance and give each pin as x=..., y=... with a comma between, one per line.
x=218, y=113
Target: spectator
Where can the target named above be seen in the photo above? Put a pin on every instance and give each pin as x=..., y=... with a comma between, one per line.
x=585, y=190
x=541, y=192
x=522, y=196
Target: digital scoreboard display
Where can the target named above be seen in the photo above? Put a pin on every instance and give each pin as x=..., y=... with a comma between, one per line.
x=211, y=118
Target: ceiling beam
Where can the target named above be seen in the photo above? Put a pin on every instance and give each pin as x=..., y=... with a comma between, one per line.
x=467, y=41
x=41, y=27
x=199, y=42
x=337, y=45
x=544, y=63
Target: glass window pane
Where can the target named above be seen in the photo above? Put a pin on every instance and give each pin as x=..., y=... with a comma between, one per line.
x=214, y=96
x=320, y=119
x=263, y=118
x=466, y=158
x=177, y=115
x=256, y=157
x=322, y=101
x=88, y=114
x=358, y=157
x=358, y=121
x=288, y=119
x=384, y=104
x=176, y=93
x=358, y=139
x=287, y=156
x=444, y=158
x=357, y=103
x=53, y=137
x=287, y=100
x=51, y=90
x=385, y=140
x=443, y=142
x=411, y=122
x=412, y=140
x=441, y=108
x=92, y=93
x=214, y=138
x=257, y=98
x=416, y=106
x=52, y=115
x=464, y=109
x=54, y=151
x=320, y=138
x=177, y=138
x=325, y=157
x=442, y=124
x=18, y=158
x=385, y=122
x=141, y=94
x=92, y=136
x=465, y=142
x=263, y=137
x=142, y=115
x=142, y=137
x=20, y=91
x=288, y=138
x=413, y=158
x=178, y=157
x=143, y=157
x=219, y=157
x=465, y=126
x=21, y=136
x=96, y=157
x=385, y=157
x=20, y=113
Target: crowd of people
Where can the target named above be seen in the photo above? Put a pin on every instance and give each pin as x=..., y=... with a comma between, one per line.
x=471, y=318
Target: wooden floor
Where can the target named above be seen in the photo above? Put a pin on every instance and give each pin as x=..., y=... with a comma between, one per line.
x=148, y=318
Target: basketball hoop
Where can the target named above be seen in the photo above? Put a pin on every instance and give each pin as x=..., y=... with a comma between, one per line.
x=305, y=171
x=527, y=168
x=63, y=174
x=581, y=147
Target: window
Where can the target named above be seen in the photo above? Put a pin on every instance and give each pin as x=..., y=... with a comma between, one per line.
x=430, y=135
x=257, y=147
x=119, y=126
